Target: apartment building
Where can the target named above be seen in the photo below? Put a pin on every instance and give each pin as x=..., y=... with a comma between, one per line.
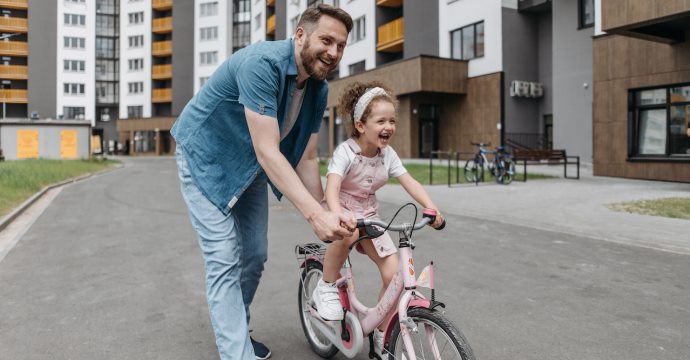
x=641, y=76
x=14, y=52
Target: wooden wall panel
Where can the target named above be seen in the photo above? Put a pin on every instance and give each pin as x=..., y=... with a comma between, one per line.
x=620, y=13
x=621, y=64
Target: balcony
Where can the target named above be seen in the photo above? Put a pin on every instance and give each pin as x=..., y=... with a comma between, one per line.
x=162, y=25
x=534, y=6
x=14, y=72
x=14, y=4
x=161, y=72
x=160, y=5
x=12, y=96
x=10, y=24
x=270, y=2
x=271, y=25
x=161, y=48
x=14, y=48
x=161, y=95
x=390, y=3
x=391, y=36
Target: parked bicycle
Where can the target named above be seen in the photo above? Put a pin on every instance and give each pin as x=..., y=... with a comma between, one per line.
x=417, y=330
x=501, y=167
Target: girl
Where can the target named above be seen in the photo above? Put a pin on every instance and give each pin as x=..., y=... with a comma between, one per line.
x=359, y=167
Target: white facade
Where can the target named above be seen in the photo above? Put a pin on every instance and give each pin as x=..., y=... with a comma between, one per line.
x=75, y=34
x=127, y=52
x=221, y=45
x=293, y=11
x=458, y=14
x=364, y=49
x=258, y=32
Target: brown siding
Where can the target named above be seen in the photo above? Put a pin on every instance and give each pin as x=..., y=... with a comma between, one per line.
x=620, y=13
x=620, y=64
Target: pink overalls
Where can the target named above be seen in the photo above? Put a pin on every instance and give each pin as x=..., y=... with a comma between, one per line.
x=357, y=192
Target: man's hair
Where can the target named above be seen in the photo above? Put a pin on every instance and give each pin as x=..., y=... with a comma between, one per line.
x=311, y=17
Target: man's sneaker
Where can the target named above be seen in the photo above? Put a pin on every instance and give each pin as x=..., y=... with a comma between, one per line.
x=261, y=352
x=327, y=301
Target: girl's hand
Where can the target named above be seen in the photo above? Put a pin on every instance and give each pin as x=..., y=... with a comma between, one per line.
x=438, y=221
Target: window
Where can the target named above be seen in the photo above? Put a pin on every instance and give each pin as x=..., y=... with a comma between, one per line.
x=75, y=20
x=209, y=33
x=257, y=21
x=586, y=13
x=73, y=112
x=241, y=24
x=358, y=32
x=135, y=64
x=357, y=68
x=74, y=65
x=468, y=42
x=659, y=120
x=73, y=89
x=74, y=42
x=208, y=9
x=208, y=57
x=136, y=18
x=76, y=1
x=136, y=111
x=136, y=41
x=135, y=87
x=203, y=80
x=335, y=3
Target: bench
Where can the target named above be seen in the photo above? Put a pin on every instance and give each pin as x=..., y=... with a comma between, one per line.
x=536, y=156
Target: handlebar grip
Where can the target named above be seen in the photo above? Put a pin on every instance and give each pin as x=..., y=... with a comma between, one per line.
x=360, y=223
x=443, y=224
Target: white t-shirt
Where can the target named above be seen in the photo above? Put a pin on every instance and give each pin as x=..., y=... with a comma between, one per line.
x=343, y=156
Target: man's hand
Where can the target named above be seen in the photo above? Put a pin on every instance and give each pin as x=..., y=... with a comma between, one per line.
x=331, y=226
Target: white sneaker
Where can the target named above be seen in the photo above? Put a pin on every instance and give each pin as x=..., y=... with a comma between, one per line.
x=378, y=343
x=327, y=301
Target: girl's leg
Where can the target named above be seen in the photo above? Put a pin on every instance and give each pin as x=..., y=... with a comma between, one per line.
x=388, y=266
x=325, y=296
x=335, y=257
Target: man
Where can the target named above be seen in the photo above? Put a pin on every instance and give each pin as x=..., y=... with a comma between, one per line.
x=256, y=121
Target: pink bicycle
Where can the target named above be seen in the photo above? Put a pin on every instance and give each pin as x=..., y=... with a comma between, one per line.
x=418, y=330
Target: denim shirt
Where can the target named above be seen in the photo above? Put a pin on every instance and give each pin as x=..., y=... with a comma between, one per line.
x=212, y=128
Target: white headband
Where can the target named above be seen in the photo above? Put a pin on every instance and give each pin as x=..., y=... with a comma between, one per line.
x=365, y=99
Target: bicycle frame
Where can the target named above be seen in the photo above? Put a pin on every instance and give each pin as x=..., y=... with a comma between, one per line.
x=363, y=320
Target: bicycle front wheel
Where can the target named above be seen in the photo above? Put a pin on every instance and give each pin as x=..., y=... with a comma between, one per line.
x=313, y=271
x=436, y=338
x=473, y=171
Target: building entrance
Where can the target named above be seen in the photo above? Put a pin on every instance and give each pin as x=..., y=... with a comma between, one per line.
x=428, y=130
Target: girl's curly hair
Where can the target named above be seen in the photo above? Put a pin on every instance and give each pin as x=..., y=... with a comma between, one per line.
x=349, y=98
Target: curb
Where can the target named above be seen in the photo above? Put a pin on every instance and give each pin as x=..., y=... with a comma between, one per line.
x=7, y=219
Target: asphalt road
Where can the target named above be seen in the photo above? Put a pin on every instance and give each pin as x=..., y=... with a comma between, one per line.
x=111, y=270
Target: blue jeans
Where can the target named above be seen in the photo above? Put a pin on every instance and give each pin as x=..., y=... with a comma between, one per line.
x=235, y=249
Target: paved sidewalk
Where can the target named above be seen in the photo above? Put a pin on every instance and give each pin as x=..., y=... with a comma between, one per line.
x=570, y=206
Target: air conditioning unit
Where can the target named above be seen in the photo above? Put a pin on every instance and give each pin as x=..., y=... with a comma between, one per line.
x=519, y=88
x=536, y=90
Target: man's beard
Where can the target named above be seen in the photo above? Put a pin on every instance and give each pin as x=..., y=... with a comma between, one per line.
x=310, y=60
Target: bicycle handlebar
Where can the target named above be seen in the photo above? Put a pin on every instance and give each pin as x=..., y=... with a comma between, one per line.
x=362, y=223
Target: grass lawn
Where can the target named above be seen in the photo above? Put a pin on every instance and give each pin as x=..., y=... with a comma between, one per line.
x=678, y=208
x=440, y=174
x=20, y=179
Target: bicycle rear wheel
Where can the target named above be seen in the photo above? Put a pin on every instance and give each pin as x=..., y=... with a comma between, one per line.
x=436, y=338
x=473, y=171
x=508, y=171
x=313, y=271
